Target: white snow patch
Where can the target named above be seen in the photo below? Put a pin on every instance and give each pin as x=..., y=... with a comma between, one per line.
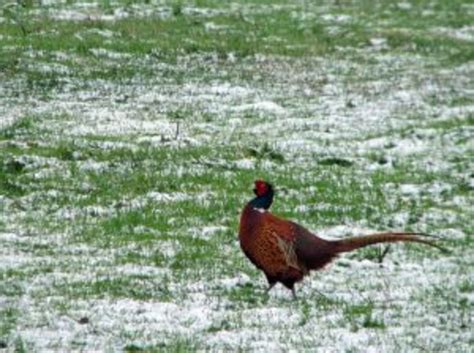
x=264, y=106
x=277, y=316
x=342, y=231
x=211, y=230
x=72, y=213
x=32, y=162
x=103, y=120
x=202, y=11
x=89, y=13
x=465, y=33
x=452, y=233
x=404, y=5
x=102, y=32
x=91, y=165
x=439, y=216
x=51, y=68
x=160, y=317
x=9, y=258
x=9, y=237
x=232, y=282
x=169, y=248
x=400, y=219
x=461, y=201
x=379, y=43
x=168, y=196
x=136, y=270
x=211, y=26
x=206, y=232
x=410, y=146
x=105, y=53
x=337, y=18
x=245, y=163
x=227, y=89
x=410, y=189
x=97, y=211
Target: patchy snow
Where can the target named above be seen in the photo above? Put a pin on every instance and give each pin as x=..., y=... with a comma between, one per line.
x=169, y=248
x=206, y=232
x=306, y=109
x=9, y=237
x=465, y=33
x=409, y=189
x=211, y=26
x=378, y=43
x=264, y=106
x=439, y=216
x=135, y=270
x=404, y=5
x=104, y=53
x=336, y=18
x=103, y=33
x=233, y=282
x=8, y=262
x=89, y=13
x=91, y=165
x=170, y=196
x=52, y=68
x=245, y=163
x=342, y=231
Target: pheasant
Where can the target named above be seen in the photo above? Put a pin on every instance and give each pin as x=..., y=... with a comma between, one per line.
x=286, y=251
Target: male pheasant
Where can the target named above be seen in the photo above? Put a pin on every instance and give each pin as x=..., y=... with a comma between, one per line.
x=286, y=251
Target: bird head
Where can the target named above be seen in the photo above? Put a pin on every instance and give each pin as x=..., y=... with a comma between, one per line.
x=262, y=188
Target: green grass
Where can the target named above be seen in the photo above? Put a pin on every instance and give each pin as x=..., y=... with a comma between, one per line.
x=10, y=316
x=177, y=345
x=245, y=35
x=247, y=295
x=361, y=316
x=134, y=287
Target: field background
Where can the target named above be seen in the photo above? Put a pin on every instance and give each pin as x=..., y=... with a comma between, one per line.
x=131, y=133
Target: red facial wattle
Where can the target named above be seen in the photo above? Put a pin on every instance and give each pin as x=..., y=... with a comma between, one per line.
x=261, y=187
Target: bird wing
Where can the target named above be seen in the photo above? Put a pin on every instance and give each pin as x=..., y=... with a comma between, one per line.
x=301, y=248
x=288, y=250
x=281, y=228
x=283, y=233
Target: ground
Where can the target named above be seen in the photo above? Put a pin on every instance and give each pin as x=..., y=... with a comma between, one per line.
x=131, y=133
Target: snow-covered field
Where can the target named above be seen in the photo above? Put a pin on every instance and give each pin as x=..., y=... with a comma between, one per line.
x=125, y=161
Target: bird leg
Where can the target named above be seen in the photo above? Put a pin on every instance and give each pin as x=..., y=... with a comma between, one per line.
x=293, y=292
x=382, y=254
x=270, y=286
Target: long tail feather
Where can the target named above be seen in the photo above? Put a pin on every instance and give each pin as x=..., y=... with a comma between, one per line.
x=352, y=243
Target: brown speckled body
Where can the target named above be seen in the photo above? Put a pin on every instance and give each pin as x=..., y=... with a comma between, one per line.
x=283, y=250
x=286, y=251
